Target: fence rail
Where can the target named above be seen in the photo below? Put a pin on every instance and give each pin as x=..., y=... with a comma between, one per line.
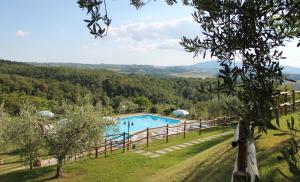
x=130, y=140
x=285, y=102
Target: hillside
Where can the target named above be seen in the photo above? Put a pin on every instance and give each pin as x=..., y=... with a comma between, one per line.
x=200, y=70
x=48, y=87
x=184, y=71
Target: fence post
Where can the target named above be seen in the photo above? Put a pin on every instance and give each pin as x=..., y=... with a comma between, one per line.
x=184, y=129
x=167, y=134
x=147, y=136
x=200, y=126
x=124, y=141
x=128, y=141
x=96, y=152
x=293, y=97
x=105, y=147
x=285, y=100
x=110, y=147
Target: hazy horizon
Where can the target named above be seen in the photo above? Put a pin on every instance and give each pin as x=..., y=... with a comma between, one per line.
x=66, y=62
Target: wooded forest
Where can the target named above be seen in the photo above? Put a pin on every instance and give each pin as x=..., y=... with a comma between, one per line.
x=49, y=87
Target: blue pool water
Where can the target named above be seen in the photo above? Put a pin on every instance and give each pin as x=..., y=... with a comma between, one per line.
x=141, y=122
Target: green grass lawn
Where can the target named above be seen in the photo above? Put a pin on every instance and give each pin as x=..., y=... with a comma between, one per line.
x=129, y=165
x=11, y=159
x=209, y=161
x=216, y=163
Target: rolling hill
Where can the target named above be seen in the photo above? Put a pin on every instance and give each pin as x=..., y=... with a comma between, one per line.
x=201, y=69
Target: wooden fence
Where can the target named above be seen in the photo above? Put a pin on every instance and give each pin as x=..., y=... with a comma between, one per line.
x=286, y=102
x=126, y=141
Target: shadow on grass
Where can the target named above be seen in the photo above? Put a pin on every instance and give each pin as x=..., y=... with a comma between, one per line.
x=13, y=162
x=37, y=174
x=217, y=168
x=268, y=161
x=13, y=152
x=206, y=145
x=178, y=138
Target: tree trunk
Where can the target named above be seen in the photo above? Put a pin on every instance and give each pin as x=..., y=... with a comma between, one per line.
x=242, y=153
x=241, y=174
x=58, y=168
x=30, y=165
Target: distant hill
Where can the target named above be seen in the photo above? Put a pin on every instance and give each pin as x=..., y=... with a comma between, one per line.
x=291, y=70
x=201, y=69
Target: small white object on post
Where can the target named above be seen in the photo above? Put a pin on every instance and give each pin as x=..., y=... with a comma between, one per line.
x=251, y=158
x=235, y=140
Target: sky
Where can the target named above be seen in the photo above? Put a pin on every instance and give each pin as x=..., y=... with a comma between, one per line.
x=54, y=31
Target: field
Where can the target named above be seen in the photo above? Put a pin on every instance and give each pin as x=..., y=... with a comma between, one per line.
x=207, y=161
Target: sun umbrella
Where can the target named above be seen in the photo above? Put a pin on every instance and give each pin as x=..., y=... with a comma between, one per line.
x=180, y=112
x=45, y=114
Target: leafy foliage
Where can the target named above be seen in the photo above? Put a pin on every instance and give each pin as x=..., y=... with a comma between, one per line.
x=77, y=129
x=23, y=132
x=246, y=30
x=291, y=153
x=94, y=7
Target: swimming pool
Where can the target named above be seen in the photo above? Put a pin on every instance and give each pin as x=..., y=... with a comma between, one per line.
x=141, y=122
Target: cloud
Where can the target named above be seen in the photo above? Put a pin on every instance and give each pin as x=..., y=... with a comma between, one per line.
x=84, y=46
x=21, y=33
x=146, y=18
x=153, y=34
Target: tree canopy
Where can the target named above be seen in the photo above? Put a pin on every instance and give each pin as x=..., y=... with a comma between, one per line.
x=48, y=87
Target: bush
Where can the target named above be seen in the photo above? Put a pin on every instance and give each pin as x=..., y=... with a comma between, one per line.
x=169, y=110
x=153, y=109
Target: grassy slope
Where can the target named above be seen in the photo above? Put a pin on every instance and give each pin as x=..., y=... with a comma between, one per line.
x=216, y=163
x=129, y=166
x=210, y=161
